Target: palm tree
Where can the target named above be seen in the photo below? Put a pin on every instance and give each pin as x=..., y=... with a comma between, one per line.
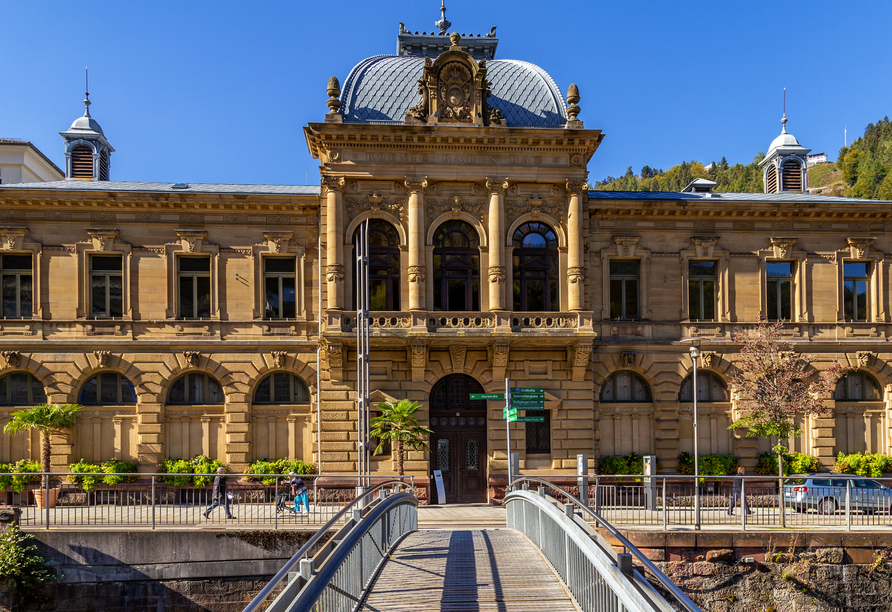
x=47, y=419
x=396, y=424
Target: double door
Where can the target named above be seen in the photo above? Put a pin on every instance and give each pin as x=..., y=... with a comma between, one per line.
x=459, y=452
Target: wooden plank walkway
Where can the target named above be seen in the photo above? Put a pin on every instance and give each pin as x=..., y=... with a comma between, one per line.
x=463, y=571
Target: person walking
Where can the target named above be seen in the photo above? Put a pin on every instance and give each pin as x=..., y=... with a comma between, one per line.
x=299, y=490
x=220, y=494
x=737, y=493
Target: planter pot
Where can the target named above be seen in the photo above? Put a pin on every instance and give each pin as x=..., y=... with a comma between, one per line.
x=46, y=498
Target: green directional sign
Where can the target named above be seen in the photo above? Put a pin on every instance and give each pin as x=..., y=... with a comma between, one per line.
x=517, y=402
x=530, y=419
x=528, y=391
x=508, y=414
x=487, y=396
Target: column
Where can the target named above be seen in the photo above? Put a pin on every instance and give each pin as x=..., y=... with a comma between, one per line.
x=417, y=272
x=497, y=274
x=206, y=436
x=334, y=238
x=575, y=241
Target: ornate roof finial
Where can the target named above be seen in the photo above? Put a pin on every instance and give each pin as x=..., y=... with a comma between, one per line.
x=87, y=92
x=443, y=24
x=784, y=119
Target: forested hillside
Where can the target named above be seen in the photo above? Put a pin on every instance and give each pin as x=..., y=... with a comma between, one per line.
x=865, y=166
x=737, y=178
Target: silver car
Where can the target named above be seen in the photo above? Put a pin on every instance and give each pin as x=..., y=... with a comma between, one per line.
x=826, y=493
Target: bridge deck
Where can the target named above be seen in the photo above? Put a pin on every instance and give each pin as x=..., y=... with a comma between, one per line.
x=458, y=571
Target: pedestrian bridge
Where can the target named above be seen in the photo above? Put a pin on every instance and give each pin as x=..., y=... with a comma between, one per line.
x=548, y=557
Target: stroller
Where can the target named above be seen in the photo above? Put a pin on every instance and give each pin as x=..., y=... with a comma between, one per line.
x=283, y=492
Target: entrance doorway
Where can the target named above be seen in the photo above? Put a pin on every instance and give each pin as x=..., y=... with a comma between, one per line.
x=458, y=444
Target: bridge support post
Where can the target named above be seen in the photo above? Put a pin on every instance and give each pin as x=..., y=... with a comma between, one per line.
x=582, y=478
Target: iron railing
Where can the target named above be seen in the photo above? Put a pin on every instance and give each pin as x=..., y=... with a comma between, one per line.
x=154, y=501
x=338, y=574
x=597, y=577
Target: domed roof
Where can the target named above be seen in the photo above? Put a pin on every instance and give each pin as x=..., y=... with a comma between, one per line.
x=784, y=140
x=384, y=87
x=86, y=124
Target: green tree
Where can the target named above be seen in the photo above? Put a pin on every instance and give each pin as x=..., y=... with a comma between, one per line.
x=775, y=384
x=395, y=424
x=48, y=419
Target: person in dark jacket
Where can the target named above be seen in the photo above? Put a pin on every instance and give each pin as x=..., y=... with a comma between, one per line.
x=737, y=493
x=299, y=490
x=220, y=495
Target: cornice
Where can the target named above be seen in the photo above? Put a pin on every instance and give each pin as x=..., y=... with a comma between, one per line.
x=155, y=201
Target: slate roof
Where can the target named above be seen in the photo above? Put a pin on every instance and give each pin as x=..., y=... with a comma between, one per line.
x=779, y=198
x=384, y=87
x=163, y=187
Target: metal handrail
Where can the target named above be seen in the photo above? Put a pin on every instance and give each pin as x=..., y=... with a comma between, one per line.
x=306, y=548
x=670, y=586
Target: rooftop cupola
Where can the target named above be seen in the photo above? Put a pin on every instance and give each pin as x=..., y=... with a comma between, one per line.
x=785, y=167
x=480, y=47
x=87, y=152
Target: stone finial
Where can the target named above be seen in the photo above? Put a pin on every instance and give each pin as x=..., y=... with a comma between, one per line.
x=573, y=109
x=334, y=92
x=454, y=38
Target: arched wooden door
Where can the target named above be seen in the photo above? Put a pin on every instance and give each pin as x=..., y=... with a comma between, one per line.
x=458, y=444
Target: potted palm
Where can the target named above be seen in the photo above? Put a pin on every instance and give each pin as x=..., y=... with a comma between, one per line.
x=395, y=424
x=48, y=419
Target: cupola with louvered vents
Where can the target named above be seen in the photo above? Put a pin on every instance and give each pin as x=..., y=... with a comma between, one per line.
x=87, y=152
x=785, y=167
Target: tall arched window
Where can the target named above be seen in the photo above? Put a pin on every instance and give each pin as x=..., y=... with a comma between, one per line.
x=21, y=389
x=535, y=268
x=453, y=392
x=195, y=388
x=456, y=267
x=625, y=386
x=282, y=388
x=107, y=388
x=858, y=387
x=710, y=388
x=384, y=266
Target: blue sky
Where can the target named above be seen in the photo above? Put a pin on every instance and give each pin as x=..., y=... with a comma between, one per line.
x=219, y=92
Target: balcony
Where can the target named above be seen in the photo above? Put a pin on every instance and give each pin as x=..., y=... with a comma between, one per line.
x=465, y=323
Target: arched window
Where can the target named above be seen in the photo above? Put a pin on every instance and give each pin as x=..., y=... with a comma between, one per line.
x=282, y=388
x=535, y=268
x=625, y=386
x=195, y=388
x=453, y=392
x=21, y=389
x=858, y=387
x=82, y=162
x=384, y=266
x=710, y=388
x=456, y=267
x=107, y=388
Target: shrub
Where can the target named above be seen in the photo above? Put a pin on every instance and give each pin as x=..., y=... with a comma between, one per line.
x=203, y=465
x=20, y=483
x=710, y=465
x=177, y=466
x=19, y=561
x=92, y=474
x=113, y=466
x=863, y=464
x=278, y=466
x=794, y=463
x=620, y=465
x=198, y=471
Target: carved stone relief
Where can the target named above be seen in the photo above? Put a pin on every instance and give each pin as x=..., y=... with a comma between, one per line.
x=500, y=356
x=279, y=358
x=707, y=358
x=704, y=245
x=12, y=358
x=102, y=358
x=13, y=237
x=782, y=247
x=192, y=358
x=376, y=201
x=191, y=241
x=455, y=203
x=626, y=245
x=457, y=354
x=628, y=359
x=277, y=242
x=865, y=358
x=859, y=247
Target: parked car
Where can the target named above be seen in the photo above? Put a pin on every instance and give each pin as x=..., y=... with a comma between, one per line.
x=826, y=493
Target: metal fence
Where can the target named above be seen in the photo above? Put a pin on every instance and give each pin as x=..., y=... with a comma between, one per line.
x=152, y=501
x=839, y=501
x=598, y=578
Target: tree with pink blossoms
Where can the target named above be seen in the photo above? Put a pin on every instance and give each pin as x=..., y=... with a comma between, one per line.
x=775, y=384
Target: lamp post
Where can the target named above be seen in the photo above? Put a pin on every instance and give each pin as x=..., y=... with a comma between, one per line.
x=695, y=355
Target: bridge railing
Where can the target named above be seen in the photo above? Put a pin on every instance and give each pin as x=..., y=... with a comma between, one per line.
x=336, y=575
x=598, y=578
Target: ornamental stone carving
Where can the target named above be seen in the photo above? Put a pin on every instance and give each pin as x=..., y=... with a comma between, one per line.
x=335, y=273
x=419, y=356
x=496, y=185
x=628, y=359
x=277, y=242
x=192, y=358
x=376, y=201
x=865, y=358
x=457, y=354
x=707, y=359
x=535, y=205
x=577, y=187
x=12, y=358
x=626, y=245
x=704, y=246
x=582, y=355
x=334, y=183
x=279, y=358
x=102, y=358
x=859, y=247
x=335, y=356
x=497, y=274
x=415, y=184
x=417, y=274
x=576, y=274
x=103, y=239
x=13, y=237
x=455, y=203
x=191, y=241
x=500, y=354
x=782, y=247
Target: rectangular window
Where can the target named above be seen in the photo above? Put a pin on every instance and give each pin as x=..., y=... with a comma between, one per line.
x=856, y=275
x=194, y=283
x=780, y=290
x=18, y=288
x=279, y=284
x=624, y=290
x=106, y=287
x=701, y=290
x=539, y=434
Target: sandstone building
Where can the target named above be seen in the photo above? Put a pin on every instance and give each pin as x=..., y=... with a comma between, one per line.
x=219, y=319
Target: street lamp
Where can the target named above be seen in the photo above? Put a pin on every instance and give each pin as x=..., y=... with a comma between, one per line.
x=695, y=355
